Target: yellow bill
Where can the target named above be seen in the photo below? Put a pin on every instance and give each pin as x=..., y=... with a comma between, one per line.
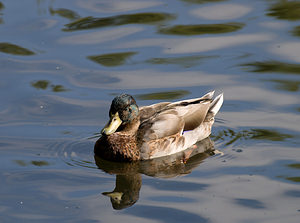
x=116, y=196
x=112, y=125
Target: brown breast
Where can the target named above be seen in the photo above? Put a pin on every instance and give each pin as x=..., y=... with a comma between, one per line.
x=118, y=147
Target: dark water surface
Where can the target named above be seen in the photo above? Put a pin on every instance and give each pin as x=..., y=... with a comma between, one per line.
x=62, y=62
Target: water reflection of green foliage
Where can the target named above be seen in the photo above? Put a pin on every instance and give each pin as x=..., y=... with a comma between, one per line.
x=278, y=67
x=65, y=13
x=1, y=7
x=288, y=10
x=33, y=162
x=58, y=88
x=39, y=163
x=14, y=49
x=138, y=18
x=294, y=165
x=201, y=29
x=44, y=84
x=255, y=134
x=274, y=66
x=166, y=95
x=112, y=59
x=296, y=31
x=287, y=85
x=294, y=179
x=185, y=61
x=265, y=134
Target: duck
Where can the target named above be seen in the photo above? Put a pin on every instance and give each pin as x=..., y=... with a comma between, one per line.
x=136, y=133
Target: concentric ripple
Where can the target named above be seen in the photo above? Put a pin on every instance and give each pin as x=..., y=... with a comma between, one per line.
x=74, y=153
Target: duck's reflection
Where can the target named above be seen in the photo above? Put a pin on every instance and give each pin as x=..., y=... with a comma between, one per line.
x=126, y=192
x=128, y=175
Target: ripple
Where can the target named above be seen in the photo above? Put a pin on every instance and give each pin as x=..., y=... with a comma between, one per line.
x=230, y=136
x=99, y=36
x=104, y=6
x=221, y=11
x=201, y=1
x=250, y=203
x=165, y=214
x=198, y=44
x=74, y=153
x=289, y=50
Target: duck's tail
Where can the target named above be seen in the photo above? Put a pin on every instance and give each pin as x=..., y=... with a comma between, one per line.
x=216, y=104
x=204, y=129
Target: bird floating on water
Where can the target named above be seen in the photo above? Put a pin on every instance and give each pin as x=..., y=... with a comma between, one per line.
x=157, y=130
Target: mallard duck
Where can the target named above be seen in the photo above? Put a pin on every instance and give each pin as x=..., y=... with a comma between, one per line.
x=157, y=130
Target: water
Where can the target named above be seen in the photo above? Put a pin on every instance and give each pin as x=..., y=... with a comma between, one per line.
x=62, y=62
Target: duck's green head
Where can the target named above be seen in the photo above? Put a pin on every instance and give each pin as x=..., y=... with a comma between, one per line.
x=122, y=111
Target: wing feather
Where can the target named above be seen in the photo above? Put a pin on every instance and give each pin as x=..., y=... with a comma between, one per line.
x=166, y=119
x=147, y=112
x=161, y=125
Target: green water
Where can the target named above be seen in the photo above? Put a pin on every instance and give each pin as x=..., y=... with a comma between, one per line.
x=61, y=64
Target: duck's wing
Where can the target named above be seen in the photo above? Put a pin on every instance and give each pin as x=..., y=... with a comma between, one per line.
x=165, y=119
x=149, y=111
x=193, y=111
x=161, y=125
x=162, y=133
